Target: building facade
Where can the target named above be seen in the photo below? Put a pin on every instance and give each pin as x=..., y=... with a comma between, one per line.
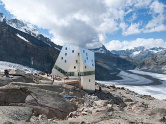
x=76, y=62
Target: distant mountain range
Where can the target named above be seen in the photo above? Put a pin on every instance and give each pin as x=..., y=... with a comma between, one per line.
x=141, y=53
x=153, y=59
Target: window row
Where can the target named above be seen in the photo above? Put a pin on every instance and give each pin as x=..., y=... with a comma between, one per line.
x=72, y=73
x=60, y=70
x=86, y=73
x=76, y=67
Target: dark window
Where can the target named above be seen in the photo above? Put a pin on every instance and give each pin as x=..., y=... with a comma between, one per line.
x=92, y=64
x=92, y=60
x=74, y=67
x=76, y=61
x=86, y=54
x=85, y=66
x=84, y=61
x=78, y=54
x=86, y=73
x=66, y=48
x=83, y=51
x=72, y=51
x=70, y=73
x=62, y=58
x=87, y=58
x=89, y=80
x=65, y=54
x=65, y=61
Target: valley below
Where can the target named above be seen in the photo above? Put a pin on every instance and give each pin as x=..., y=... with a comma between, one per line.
x=142, y=82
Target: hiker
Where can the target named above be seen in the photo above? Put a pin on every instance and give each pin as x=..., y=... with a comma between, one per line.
x=53, y=78
x=47, y=73
x=6, y=73
x=100, y=88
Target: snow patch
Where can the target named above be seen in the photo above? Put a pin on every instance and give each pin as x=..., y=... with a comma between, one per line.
x=24, y=27
x=21, y=37
x=2, y=18
x=8, y=65
x=136, y=53
x=155, y=51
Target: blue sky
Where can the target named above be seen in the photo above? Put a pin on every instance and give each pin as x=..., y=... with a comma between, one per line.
x=118, y=24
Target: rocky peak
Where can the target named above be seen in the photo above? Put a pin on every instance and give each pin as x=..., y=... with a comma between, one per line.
x=2, y=17
x=101, y=49
x=28, y=29
x=24, y=27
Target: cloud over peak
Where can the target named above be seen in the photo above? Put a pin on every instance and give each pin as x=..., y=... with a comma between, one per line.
x=147, y=43
x=86, y=22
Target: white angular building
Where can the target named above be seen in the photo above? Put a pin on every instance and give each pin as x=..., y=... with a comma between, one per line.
x=76, y=62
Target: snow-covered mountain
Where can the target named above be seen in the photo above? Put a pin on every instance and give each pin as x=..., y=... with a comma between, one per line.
x=29, y=29
x=24, y=27
x=20, y=25
x=101, y=49
x=140, y=53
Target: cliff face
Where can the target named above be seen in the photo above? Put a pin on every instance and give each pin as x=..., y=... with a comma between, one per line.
x=19, y=47
x=155, y=63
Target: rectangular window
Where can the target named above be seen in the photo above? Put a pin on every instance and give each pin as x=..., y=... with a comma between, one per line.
x=84, y=61
x=85, y=66
x=72, y=51
x=86, y=54
x=92, y=60
x=83, y=51
x=89, y=80
x=76, y=61
x=62, y=58
x=65, y=61
x=66, y=48
x=78, y=54
x=87, y=58
x=70, y=73
x=65, y=54
x=74, y=67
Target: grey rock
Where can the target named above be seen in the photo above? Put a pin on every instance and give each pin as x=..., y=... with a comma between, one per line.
x=14, y=114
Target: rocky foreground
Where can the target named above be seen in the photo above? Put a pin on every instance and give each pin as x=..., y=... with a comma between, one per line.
x=25, y=99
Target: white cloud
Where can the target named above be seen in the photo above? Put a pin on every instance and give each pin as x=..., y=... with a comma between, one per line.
x=157, y=7
x=157, y=28
x=156, y=24
x=132, y=29
x=86, y=22
x=70, y=21
x=143, y=3
x=147, y=43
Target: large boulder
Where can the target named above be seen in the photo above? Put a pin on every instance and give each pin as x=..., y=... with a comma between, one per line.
x=15, y=114
x=46, y=102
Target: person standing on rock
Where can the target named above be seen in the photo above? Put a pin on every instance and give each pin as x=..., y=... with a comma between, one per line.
x=53, y=78
x=6, y=73
x=47, y=73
